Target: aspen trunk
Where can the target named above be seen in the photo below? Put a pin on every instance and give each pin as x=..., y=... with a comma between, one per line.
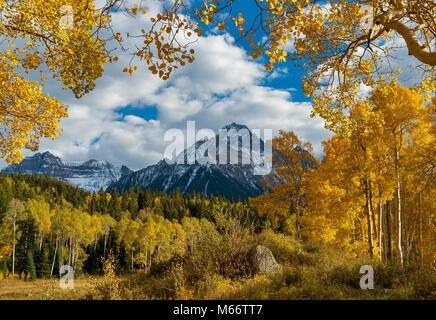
x=74, y=257
x=73, y=249
x=69, y=253
x=372, y=209
x=385, y=232
x=369, y=220
x=13, y=252
x=380, y=228
x=104, y=246
x=399, y=224
x=54, y=258
x=61, y=252
x=420, y=230
x=406, y=239
x=132, y=260
x=389, y=229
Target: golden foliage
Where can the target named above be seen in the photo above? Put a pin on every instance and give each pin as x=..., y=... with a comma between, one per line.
x=355, y=192
x=293, y=162
x=74, y=57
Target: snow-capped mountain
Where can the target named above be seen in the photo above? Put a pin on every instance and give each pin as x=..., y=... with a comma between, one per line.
x=230, y=180
x=91, y=175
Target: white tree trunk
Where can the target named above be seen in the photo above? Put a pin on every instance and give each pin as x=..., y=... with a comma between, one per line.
x=399, y=225
x=13, y=252
x=54, y=258
x=380, y=228
x=369, y=220
x=104, y=248
x=420, y=230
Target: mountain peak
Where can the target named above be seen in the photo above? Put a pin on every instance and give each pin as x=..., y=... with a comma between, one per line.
x=46, y=154
x=235, y=126
x=91, y=175
x=96, y=163
x=233, y=179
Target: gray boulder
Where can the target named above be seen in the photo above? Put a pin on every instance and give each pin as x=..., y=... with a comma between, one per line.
x=262, y=260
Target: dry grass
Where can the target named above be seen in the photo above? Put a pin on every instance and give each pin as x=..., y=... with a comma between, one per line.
x=41, y=290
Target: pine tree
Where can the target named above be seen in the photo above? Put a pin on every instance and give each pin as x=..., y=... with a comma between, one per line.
x=4, y=201
x=115, y=205
x=92, y=265
x=4, y=267
x=43, y=265
x=29, y=269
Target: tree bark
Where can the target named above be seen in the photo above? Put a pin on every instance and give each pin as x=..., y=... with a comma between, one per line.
x=380, y=228
x=415, y=47
x=104, y=246
x=372, y=209
x=132, y=260
x=41, y=240
x=70, y=253
x=13, y=249
x=399, y=225
x=54, y=258
x=385, y=232
x=420, y=231
x=391, y=19
x=73, y=260
x=369, y=220
x=390, y=231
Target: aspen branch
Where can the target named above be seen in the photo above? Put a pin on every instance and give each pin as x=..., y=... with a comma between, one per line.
x=413, y=44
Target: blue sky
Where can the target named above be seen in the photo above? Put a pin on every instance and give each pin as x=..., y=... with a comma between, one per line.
x=285, y=76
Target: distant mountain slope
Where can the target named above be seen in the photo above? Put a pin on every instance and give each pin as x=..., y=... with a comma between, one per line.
x=229, y=180
x=91, y=175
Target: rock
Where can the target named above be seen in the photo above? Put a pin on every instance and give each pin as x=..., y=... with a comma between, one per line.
x=262, y=260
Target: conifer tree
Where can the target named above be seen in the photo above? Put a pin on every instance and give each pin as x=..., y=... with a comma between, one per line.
x=43, y=265
x=30, y=269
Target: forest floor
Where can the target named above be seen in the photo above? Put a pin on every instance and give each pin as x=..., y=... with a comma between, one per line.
x=298, y=283
x=214, y=272
x=11, y=289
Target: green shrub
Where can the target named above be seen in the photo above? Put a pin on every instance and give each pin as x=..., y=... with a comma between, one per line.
x=224, y=254
x=345, y=275
x=424, y=284
x=290, y=276
x=389, y=276
x=284, y=248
